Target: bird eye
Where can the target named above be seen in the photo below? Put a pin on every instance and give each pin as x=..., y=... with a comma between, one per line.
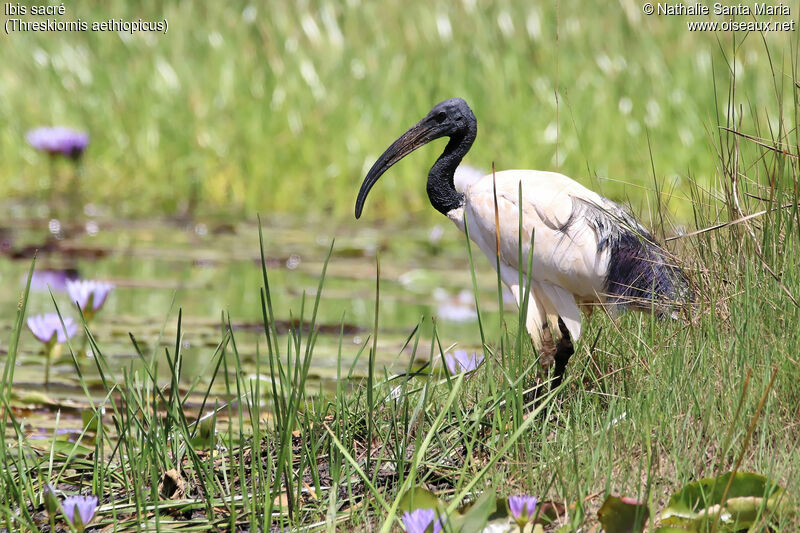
x=440, y=117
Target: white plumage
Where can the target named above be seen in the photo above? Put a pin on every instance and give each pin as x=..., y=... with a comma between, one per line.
x=567, y=269
x=587, y=249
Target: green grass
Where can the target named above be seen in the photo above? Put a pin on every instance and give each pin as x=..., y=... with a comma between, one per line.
x=649, y=405
x=282, y=107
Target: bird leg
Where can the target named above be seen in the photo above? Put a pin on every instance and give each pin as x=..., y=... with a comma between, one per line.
x=552, y=356
x=555, y=356
x=564, y=350
x=547, y=351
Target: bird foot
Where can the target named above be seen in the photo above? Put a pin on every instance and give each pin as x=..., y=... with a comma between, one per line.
x=546, y=362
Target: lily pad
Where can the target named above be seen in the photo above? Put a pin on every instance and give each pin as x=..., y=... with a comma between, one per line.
x=205, y=439
x=623, y=515
x=420, y=498
x=90, y=421
x=62, y=448
x=473, y=517
x=27, y=397
x=470, y=518
x=698, y=505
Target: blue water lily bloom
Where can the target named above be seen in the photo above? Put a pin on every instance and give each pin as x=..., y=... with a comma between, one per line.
x=522, y=508
x=44, y=280
x=47, y=327
x=79, y=510
x=419, y=520
x=461, y=361
x=89, y=295
x=59, y=140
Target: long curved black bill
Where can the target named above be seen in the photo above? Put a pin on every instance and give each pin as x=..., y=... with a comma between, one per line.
x=417, y=136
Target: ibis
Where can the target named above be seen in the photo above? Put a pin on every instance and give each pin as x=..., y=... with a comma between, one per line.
x=587, y=250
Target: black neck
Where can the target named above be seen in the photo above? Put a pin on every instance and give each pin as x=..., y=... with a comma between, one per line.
x=441, y=190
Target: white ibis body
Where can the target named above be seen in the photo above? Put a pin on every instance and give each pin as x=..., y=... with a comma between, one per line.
x=587, y=249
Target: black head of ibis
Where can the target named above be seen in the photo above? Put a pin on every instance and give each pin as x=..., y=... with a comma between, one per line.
x=452, y=118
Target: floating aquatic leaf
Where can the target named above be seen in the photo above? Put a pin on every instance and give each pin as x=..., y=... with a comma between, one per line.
x=31, y=397
x=551, y=511
x=62, y=448
x=205, y=438
x=470, y=518
x=474, y=516
x=699, y=504
x=623, y=515
x=420, y=498
x=90, y=422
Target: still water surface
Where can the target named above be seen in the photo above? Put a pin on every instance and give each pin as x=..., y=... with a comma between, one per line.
x=211, y=268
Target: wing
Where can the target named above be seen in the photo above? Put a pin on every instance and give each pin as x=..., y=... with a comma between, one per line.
x=585, y=245
x=566, y=251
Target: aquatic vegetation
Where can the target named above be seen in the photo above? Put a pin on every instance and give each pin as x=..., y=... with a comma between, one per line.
x=51, y=504
x=420, y=521
x=333, y=64
x=281, y=423
x=733, y=501
x=50, y=499
x=48, y=329
x=522, y=508
x=71, y=144
x=461, y=361
x=433, y=431
x=460, y=308
x=59, y=141
x=44, y=280
x=89, y=295
x=79, y=510
x=620, y=514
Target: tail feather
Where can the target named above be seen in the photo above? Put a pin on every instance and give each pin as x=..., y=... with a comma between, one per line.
x=642, y=275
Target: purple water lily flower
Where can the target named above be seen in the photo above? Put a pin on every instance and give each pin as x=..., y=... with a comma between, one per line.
x=59, y=140
x=86, y=506
x=89, y=295
x=46, y=327
x=461, y=361
x=419, y=520
x=522, y=508
x=44, y=280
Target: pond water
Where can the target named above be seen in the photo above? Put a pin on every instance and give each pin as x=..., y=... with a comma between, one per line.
x=209, y=267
